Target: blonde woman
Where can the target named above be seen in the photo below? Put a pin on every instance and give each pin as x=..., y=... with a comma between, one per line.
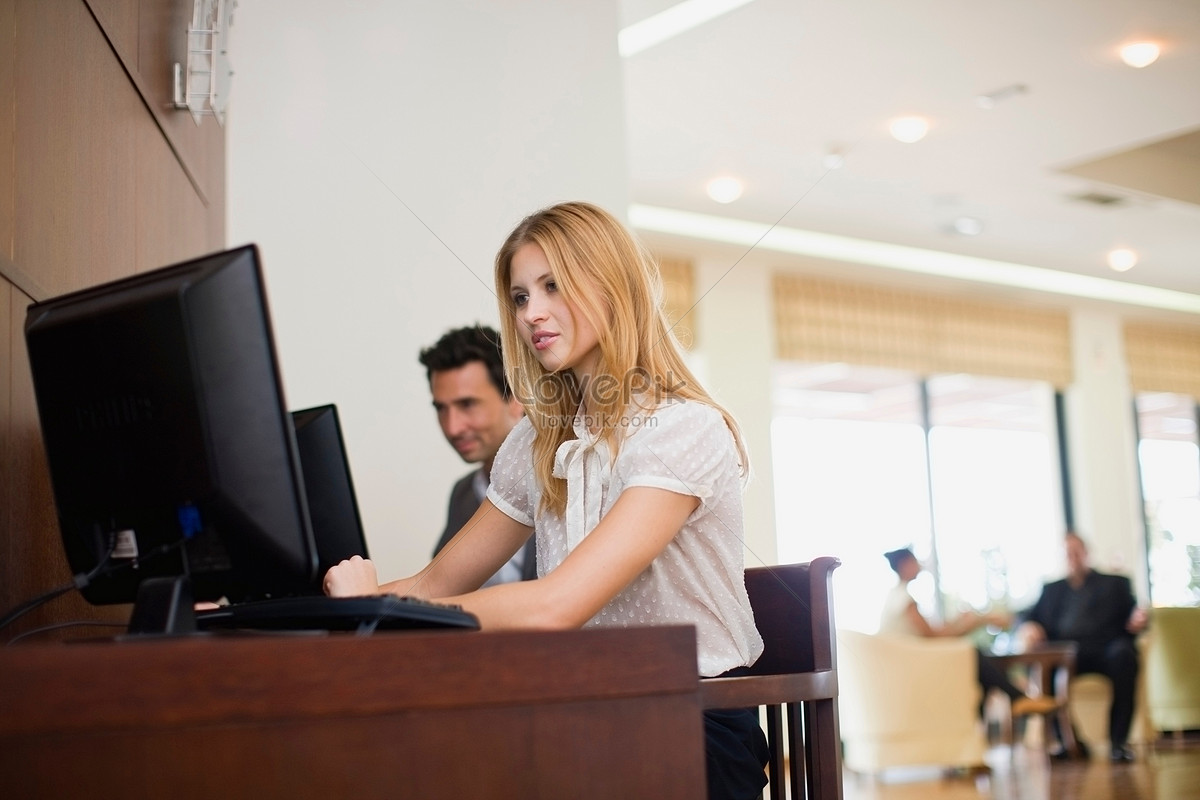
x=627, y=472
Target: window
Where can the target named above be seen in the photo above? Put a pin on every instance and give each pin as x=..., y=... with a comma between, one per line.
x=1169, y=462
x=960, y=468
x=997, y=497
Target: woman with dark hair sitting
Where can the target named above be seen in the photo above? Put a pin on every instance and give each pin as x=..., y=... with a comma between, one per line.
x=902, y=617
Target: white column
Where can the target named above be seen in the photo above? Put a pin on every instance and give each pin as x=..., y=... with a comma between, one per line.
x=736, y=347
x=1102, y=450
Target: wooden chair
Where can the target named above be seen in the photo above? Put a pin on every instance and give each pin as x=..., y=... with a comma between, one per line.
x=796, y=675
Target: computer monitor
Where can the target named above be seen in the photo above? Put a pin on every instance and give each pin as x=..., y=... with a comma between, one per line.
x=329, y=487
x=171, y=451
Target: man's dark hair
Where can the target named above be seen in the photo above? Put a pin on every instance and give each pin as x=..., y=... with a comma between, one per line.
x=897, y=557
x=460, y=347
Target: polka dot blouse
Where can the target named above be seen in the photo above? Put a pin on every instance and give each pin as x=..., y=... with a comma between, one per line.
x=680, y=446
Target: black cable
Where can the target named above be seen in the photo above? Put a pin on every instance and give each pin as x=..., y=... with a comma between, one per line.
x=58, y=625
x=82, y=580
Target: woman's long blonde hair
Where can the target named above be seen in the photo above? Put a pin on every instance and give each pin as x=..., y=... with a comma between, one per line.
x=606, y=275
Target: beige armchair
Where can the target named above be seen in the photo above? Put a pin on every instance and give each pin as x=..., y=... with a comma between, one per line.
x=1172, y=676
x=908, y=702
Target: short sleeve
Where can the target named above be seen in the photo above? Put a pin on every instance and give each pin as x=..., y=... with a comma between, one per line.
x=512, y=474
x=682, y=447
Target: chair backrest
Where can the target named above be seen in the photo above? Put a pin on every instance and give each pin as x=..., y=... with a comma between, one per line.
x=793, y=612
x=1172, y=681
x=796, y=677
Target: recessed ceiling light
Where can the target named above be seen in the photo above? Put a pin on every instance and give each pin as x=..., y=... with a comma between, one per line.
x=968, y=226
x=1122, y=259
x=833, y=161
x=1140, y=54
x=724, y=189
x=908, y=129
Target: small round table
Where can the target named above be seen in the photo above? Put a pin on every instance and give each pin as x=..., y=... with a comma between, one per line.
x=1051, y=667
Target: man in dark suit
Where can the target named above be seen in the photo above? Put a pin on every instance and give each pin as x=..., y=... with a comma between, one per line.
x=476, y=410
x=1099, y=614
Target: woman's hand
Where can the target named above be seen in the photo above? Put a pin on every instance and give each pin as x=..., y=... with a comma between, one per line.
x=1000, y=619
x=354, y=577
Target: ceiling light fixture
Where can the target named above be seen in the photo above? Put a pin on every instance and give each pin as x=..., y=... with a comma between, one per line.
x=724, y=189
x=1122, y=259
x=989, y=100
x=968, y=226
x=671, y=22
x=908, y=129
x=745, y=233
x=1140, y=54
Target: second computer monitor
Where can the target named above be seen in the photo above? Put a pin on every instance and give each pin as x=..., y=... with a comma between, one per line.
x=332, y=505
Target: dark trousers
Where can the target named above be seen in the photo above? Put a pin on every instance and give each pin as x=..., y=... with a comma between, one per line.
x=992, y=677
x=735, y=754
x=1117, y=661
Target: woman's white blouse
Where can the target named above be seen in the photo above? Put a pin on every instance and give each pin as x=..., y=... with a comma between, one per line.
x=681, y=446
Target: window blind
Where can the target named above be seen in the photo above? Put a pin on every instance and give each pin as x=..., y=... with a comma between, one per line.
x=1163, y=358
x=821, y=319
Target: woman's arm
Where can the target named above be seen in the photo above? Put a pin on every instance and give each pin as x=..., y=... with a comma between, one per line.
x=477, y=551
x=959, y=626
x=918, y=621
x=637, y=528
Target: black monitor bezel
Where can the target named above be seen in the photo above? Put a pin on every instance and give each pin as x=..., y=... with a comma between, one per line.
x=261, y=563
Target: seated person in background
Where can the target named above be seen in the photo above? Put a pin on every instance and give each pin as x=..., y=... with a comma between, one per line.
x=476, y=410
x=1099, y=614
x=627, y=471
x=902, y=617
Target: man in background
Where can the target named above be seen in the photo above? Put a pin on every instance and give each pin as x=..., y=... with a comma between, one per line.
x=1099, y=614
x=476, y=410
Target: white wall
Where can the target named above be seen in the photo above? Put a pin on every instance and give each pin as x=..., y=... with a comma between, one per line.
x=378, y=153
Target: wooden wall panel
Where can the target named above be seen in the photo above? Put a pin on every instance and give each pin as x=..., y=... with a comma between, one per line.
x=75, y=135
x=7, y=117
x=171, y=219
x=8, y=339
x=119, y=18
x=214, y=166
x=91, y=189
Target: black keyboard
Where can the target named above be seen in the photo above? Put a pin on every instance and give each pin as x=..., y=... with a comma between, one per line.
x=320, y=613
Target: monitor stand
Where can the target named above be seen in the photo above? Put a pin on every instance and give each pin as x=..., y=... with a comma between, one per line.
x=164, y=607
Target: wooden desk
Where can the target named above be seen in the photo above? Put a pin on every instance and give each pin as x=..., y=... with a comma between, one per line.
x=580, y=714
x=1051, y=666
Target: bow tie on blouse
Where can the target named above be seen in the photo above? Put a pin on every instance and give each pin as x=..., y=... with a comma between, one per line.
x=585, y=464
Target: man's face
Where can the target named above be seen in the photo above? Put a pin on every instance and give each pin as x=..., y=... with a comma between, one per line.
x=1077, y=557
x=474, y=416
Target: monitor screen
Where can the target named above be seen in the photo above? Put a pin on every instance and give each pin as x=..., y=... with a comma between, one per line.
x=332, y=506
x=170, y=448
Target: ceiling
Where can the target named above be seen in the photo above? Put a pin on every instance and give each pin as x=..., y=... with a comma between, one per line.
x=1079, y=154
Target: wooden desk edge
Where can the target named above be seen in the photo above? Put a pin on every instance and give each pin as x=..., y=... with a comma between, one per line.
x=169, y=682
